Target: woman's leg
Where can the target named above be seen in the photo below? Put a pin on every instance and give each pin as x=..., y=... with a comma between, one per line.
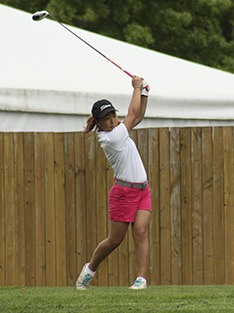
x=118, y=231
x=141, y=239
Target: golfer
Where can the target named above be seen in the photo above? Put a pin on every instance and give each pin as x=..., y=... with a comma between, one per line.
x=129, y=197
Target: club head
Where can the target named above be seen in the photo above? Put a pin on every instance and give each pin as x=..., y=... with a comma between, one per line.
x=40, y=15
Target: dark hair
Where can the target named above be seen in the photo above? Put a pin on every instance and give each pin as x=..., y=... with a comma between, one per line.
x=90, y=125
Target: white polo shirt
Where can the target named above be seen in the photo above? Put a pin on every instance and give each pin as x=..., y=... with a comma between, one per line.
x=122, y=154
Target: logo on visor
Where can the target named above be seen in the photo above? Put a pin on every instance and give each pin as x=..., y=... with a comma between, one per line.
x=104, y=106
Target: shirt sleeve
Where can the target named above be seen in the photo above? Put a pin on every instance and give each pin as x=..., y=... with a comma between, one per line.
x=116, y=138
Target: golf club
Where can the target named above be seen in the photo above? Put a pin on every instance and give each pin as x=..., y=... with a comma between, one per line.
x=40, y=15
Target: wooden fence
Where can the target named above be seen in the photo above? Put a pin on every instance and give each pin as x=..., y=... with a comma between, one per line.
x=53, y=207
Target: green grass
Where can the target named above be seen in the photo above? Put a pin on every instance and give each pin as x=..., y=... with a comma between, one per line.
x=117, y=299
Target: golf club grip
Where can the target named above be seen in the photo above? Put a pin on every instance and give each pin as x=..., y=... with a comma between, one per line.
x=129, y=74
x=126, y=72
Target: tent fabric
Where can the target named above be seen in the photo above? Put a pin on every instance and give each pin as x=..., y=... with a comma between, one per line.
x=47, y=73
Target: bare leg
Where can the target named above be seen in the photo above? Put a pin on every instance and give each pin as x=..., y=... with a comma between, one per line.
x=141, y=240
x=118, y=231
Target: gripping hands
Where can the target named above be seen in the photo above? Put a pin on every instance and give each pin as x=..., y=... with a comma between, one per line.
x=138, y=82
x=145, y=88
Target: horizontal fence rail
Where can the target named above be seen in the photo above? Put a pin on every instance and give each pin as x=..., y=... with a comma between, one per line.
x=54, y=207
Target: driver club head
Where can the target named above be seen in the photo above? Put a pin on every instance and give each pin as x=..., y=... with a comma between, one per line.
x=40, y=15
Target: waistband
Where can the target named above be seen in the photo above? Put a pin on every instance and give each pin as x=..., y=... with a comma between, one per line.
x=131, y=185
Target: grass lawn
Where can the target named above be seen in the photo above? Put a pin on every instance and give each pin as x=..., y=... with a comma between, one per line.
x=117, y=299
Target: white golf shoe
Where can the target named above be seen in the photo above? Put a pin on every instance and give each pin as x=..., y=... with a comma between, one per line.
x=140, y=283
x=84, y=279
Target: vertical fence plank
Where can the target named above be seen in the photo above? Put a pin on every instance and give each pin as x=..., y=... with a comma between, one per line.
x=127, y=258
x=50, y=210
x=80, y=201
x=154, y=235
x=197, y=229
x=39, y=210
x=165, y=221
x=143, y=146
x=2, y=214
x=228, y=145
x=112, y=260
x=218, y=206
x=29, y=209
x=123, y=263
x=91, y=215
x=207, y=196
x=186, y=205
x=175, y=170
x=140, y=137
x=70, y=207
x=131, y=245
x=102, y=208
x=19, y=207
x=9, y=191
x=60, y=208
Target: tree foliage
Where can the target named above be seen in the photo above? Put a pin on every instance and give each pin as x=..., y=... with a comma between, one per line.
x=198, y=30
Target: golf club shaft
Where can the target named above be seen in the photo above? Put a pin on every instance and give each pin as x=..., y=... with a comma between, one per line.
x=91, y=46
x=40, y=15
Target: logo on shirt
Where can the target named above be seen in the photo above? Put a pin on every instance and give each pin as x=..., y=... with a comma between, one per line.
x=104, y=106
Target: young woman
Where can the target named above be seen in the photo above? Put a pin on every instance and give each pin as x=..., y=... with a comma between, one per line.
x=129, y=197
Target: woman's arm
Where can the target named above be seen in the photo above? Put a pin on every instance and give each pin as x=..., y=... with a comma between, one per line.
x=138, y=104
x=144, y=100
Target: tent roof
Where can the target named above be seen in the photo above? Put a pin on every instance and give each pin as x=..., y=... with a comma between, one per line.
x=42, y=56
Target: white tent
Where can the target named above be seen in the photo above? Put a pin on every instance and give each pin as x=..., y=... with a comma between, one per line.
x=49, y=79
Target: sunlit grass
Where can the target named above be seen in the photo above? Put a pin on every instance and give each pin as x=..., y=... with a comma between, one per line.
x=118, y=299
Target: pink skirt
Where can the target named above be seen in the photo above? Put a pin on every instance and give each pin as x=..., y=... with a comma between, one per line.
x=124, y=202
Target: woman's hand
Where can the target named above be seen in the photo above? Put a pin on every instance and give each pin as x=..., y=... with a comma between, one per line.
x=137, y=82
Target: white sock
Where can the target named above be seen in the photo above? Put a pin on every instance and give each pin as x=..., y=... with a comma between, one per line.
x=89, y=271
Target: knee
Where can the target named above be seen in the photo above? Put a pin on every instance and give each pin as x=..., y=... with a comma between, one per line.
x=140, y=234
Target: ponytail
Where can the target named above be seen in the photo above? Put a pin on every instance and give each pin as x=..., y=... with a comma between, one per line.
x=90, y=124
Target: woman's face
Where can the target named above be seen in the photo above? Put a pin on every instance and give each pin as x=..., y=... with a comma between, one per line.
x=109, y=122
